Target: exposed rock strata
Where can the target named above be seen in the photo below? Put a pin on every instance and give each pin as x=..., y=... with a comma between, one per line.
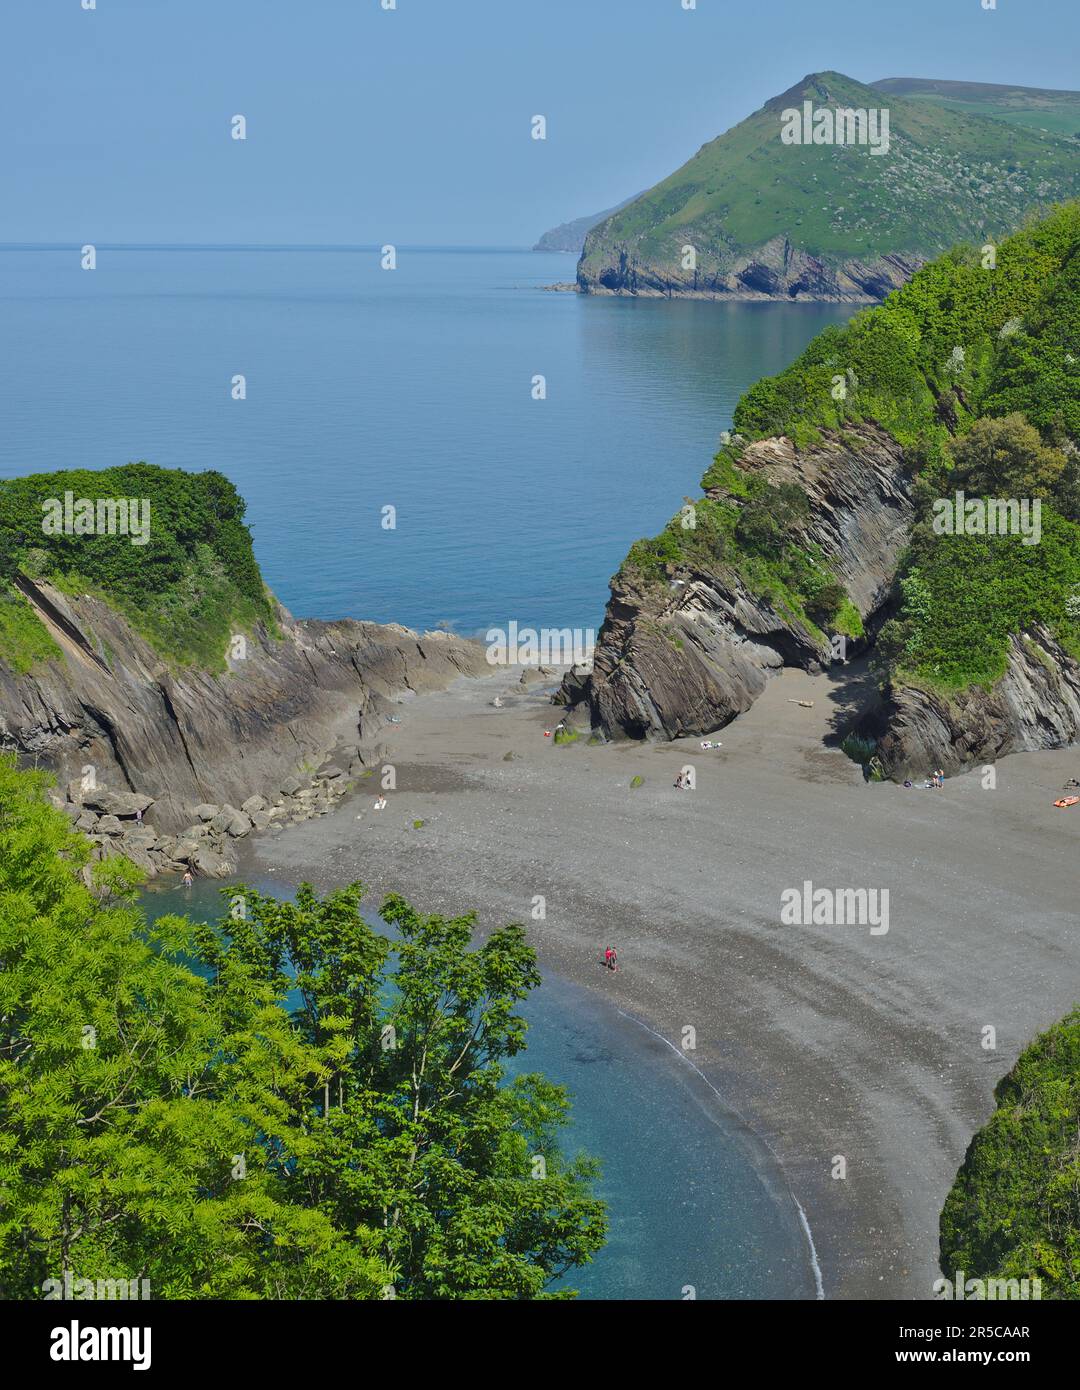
x=687, y=657
x=775, y=270
x=1035, y=704
x=109, y=716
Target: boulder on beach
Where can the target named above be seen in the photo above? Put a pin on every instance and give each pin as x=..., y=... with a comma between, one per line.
x=239, y=826
x=206, y=811
x=109, y=825
x=253, y=803
x=116, y=803
x=290, y=786
x=140, y=857
x=211, y=864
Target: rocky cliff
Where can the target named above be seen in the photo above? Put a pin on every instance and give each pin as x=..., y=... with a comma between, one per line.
x=688, y=655
x=1035, y=704
x=775, y=270
x=128, y=737
x=832, y=190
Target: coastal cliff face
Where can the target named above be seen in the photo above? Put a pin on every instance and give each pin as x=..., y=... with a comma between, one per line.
x=775, y=270
x=1035, y=704
x=687, y=656
x=817, y=527
x=183, y=739
x=830, y=191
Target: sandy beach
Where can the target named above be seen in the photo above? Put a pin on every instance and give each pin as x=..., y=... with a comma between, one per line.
x=829, y=1041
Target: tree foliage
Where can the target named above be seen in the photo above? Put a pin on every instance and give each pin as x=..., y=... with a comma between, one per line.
x=1014, y=1209
x=185, y=590
x=287, y=1105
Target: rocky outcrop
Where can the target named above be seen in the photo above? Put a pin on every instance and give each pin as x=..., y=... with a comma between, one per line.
x=205, y=847
x=130, y=735
x=1035, y=704
x=687, y=656
x=775, y=270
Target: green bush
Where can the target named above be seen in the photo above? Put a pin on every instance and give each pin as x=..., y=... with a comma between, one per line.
x=186, y=590
x=1014, y=1209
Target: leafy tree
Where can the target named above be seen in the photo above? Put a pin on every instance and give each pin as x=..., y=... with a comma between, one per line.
x=417, y=1137
x=218, y=1111
x=767, y=522
x=1014, y=1209
x=1006, y=458
x=824, y=605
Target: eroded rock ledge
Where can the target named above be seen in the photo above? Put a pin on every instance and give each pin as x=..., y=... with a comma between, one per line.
x=178, y=740
x=1035, y=704
x=687, y=657
x=774, y=270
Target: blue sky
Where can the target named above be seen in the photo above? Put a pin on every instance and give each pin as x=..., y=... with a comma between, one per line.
x=412, y=126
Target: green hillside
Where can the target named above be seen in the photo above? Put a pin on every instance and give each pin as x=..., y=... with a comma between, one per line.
x=1035, y=108
x=192, y=583
x=948, y=175
x=975, y=370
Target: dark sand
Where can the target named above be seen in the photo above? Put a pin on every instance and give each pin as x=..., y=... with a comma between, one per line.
x=827, y=1040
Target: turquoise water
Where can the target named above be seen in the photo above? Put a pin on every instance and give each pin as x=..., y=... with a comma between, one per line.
x=688, y=1206
x=409, y=388
x=413, y=389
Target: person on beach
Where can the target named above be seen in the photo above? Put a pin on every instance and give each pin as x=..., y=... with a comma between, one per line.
x=380, y=803
x=614, y=962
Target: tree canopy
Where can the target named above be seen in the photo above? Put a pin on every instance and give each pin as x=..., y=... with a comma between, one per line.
x=1014, y=1209
x=289, y=1104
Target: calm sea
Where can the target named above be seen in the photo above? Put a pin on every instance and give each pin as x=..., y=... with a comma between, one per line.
x=368, y=388
x=414, y=389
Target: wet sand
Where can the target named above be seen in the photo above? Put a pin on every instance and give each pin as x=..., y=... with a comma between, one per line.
x=828, y=1041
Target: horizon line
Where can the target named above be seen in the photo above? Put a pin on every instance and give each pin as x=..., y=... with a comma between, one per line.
x=260, y=246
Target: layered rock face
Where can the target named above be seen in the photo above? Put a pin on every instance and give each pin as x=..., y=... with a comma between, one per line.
x=775, y=270
x=688, y=657
x=112, y=718
x=1035, y=704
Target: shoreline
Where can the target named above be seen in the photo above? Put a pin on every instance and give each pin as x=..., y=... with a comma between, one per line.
x=712, y=296
x=826, y=1041
x=744, y=1169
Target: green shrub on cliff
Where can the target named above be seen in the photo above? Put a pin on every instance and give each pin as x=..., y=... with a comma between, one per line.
x=981, y=332
x=265, y=1108
x=899, y=354
x=23, y=640
x=193, y=582
x=975, y=591
x=1014, y=1209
